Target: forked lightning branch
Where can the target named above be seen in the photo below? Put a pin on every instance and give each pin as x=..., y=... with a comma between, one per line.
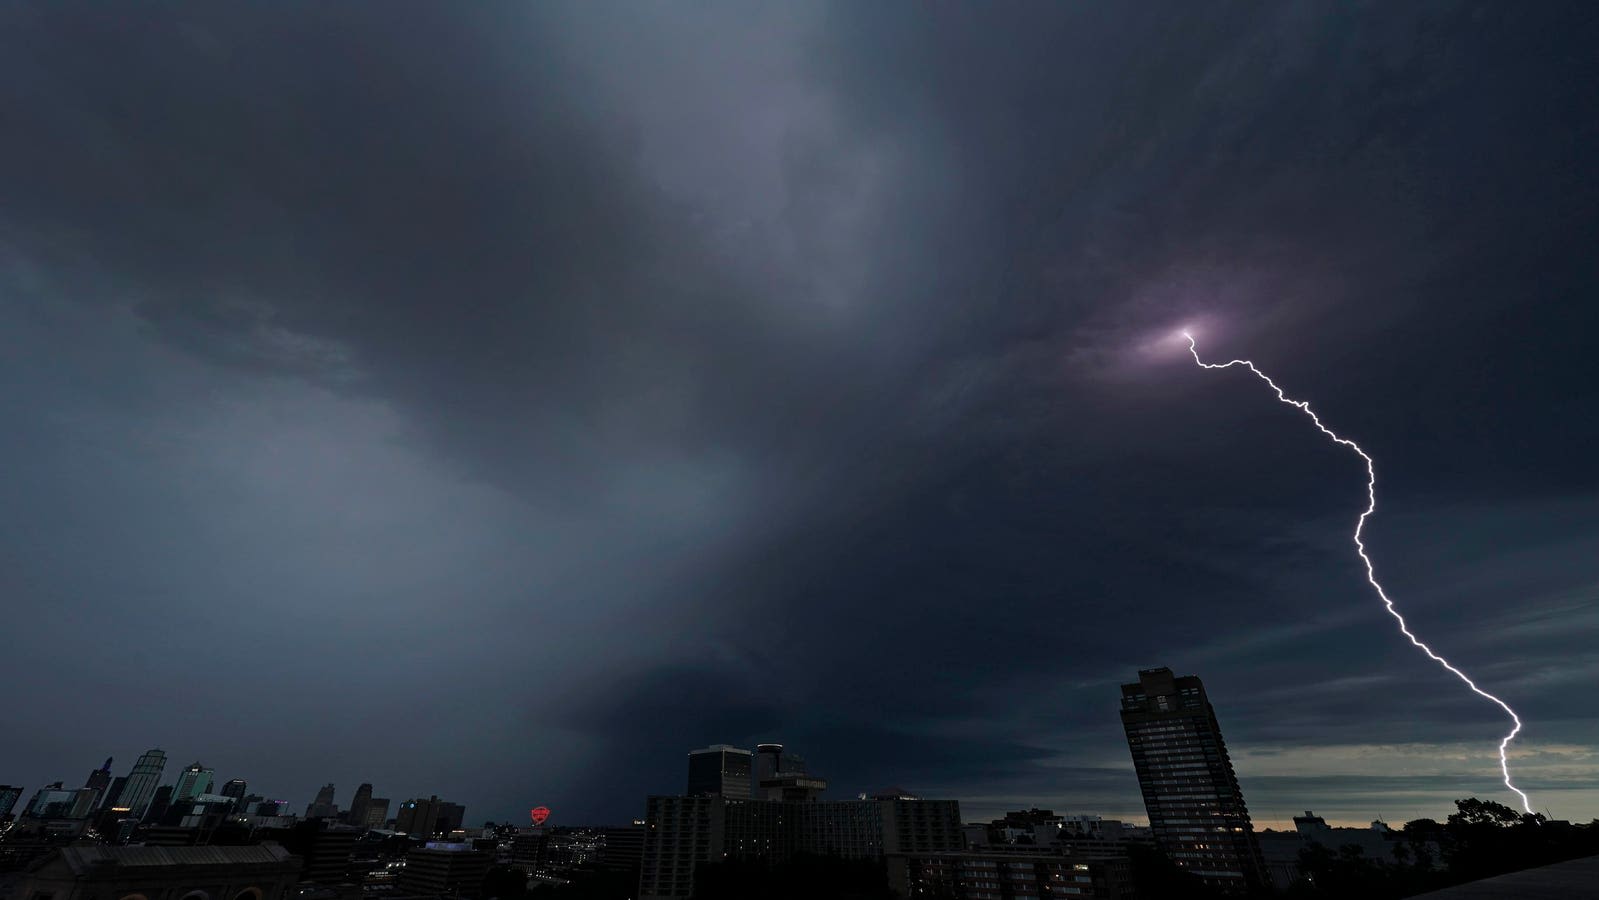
x=1360, y=548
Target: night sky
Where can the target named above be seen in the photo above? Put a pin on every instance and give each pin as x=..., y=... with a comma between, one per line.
x=499, y=400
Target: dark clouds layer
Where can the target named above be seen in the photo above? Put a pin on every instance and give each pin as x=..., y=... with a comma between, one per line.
x=498, y=402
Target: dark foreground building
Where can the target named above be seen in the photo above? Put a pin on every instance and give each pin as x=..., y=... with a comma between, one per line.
x=1008, y=873
x=683, y=833
x=259, y=872
x=1195, y=807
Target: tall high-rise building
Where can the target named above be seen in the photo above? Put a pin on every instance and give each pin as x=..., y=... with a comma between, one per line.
x=1196, y=810
x=377, y=812
x=142, y=782
x=720, y=770
x=358, y=805
x=194, y=779
x=425, y=818
x=238, y=789
x=156, y=809
x=771, y=760
x=113, y=792
x=100, y=778
x=323, y=806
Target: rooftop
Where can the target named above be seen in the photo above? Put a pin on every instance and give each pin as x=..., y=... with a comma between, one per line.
x=1562, y=881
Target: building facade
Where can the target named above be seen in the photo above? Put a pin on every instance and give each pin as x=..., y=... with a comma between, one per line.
x=140, y=788
x=1196, y=809
x=442, y=869
x=100, y=779
x=682, y=833
x=195, y=779
x=424, y=818
x=238, y=789
x=720, y=770
x=1010, y=873
x=323, y=806
x=359, y=805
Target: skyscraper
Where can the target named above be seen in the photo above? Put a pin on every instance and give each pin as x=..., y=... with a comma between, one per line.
x=194, y=779
x=236, y=788
x=9, y=794
x=160, y=802
x=359, y=805
x=425, y=818
x=377, y=812
x=1195, y=807
x=142, y=782
x=323, y=806
x=720, y=770
x=108, y=799
x=100, y=778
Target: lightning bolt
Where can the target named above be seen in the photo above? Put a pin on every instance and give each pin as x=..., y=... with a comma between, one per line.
x=1371, y=572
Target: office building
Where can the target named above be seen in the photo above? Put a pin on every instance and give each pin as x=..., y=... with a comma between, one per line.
x=771, y=760
x=323, y=806
x=159, y=805
x=323, y=847
x=451, y=817
x=113, y=792
x=9, y=795
x=56, y=802
x=100, y=779
x=377, y=812
x=424, y=818
x=1196, y=810
x=356, y=815
x=624, y=846
x=237, y=789
x=142, y=782
x=720, y=770
x=442, y=869
x=1002, y=873
x=681, y=833
x=192, y=780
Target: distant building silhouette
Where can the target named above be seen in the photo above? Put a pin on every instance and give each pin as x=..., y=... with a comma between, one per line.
x=424, y=818
x=113, y=792
x=56, y=802
x=159, y=804
x=377, y=812
x=140, y=788
x=1196, y=809
x=323, y=806
x=238, y=789
x=720, y=770
x=195, y=779
x=100, y=779
x=358, y=805
x=771, y=760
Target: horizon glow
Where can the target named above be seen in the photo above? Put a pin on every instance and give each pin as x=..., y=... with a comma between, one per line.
x=1360, y=548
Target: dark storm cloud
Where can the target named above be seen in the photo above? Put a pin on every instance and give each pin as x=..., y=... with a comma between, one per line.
x=594, y=383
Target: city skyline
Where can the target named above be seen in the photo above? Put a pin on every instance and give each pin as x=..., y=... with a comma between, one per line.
x=462, y=400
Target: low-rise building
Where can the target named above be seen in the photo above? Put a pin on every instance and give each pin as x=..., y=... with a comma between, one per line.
x=438, y=869
x=1005, y=872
